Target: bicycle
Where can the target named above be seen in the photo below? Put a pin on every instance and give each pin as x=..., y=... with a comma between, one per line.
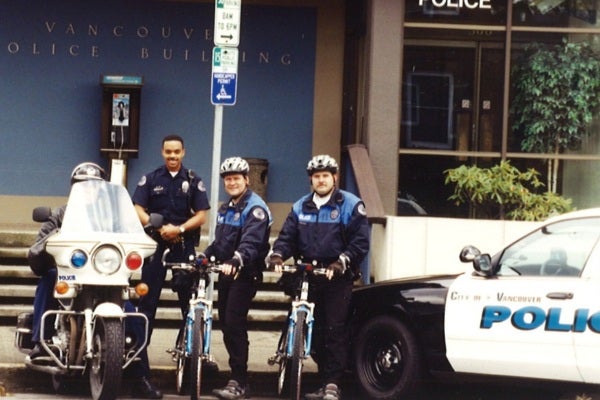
x=295, y=343
x=192, y=347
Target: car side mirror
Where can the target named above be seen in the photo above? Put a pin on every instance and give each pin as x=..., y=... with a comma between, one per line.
x=483, y=264
x=469, y=253
x=41, y=214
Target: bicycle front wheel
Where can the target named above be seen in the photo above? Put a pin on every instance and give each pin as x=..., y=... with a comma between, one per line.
x=297, y=360
x=196, y=356
x=182, y=371
x=283, y=378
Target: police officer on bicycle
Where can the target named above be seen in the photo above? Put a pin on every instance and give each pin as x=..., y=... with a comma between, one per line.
x=241, y=243
x=329, y=226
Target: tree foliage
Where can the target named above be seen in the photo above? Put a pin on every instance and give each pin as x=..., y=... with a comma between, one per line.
x=555, y=97
x=504, y=192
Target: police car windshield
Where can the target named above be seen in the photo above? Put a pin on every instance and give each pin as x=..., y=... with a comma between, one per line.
x=100, y=206
x=560, y=249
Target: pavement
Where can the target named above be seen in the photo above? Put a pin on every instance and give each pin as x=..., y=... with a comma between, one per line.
x=18, y=382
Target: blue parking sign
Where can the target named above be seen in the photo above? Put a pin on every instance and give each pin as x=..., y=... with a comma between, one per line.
x=223, y=88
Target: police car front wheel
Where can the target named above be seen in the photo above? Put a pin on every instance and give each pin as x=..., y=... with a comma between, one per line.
x=387, y=359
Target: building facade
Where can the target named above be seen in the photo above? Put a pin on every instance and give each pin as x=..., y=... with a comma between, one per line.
x=425, y=85
x=441, y=96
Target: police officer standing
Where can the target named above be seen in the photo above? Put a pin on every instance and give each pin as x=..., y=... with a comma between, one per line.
x=180, y=197
x=329, y=226
x=241, y=243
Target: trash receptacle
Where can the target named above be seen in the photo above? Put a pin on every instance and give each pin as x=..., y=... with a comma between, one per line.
x=258, y=174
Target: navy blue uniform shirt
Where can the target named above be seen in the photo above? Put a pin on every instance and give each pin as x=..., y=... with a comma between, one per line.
x=175, y=198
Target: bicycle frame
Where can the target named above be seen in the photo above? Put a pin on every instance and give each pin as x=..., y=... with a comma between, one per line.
x=193, y=344
x=291, y=352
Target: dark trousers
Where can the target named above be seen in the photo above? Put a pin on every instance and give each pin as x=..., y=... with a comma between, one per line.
x=153, y=274
x=235, y=297
x=44, y=300
x=331, y=331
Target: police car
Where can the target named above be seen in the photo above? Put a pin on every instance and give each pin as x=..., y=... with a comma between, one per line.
x=530, y=311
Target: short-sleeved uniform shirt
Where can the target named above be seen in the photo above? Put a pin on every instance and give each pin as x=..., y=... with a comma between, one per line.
x=176, y=198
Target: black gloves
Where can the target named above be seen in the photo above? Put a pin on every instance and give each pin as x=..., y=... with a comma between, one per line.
x=336, y=268
x=339, y=267
x=274, y=260
x=235, y=265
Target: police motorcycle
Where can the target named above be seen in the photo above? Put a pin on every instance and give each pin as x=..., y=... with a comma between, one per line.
x=98, y=248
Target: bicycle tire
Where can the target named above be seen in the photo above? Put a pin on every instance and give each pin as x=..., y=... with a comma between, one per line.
x=283, y=378
x=182, y=370
x=196, y=356
x=297, y=359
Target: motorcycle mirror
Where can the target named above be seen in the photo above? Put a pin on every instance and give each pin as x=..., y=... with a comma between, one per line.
x=156, y=220
x=41, y=214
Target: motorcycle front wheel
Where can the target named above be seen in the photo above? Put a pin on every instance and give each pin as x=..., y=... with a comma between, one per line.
x=106, y=365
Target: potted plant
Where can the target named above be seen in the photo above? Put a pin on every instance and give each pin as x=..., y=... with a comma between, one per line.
x=555, y=97
x=504, y=192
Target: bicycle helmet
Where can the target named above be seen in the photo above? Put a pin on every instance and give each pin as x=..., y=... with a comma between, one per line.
x=322, y=162
x=86, y=171
x=234, y=165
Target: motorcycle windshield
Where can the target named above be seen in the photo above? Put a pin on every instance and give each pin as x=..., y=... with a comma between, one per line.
x=100, y=206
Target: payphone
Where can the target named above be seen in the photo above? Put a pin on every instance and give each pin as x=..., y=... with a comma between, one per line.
x=119, y=137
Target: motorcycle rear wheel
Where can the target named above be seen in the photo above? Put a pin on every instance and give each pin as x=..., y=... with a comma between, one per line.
x=105, y=370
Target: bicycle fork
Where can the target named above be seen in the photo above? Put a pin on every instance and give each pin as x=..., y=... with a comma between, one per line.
x=307, y=308
x=206, y=306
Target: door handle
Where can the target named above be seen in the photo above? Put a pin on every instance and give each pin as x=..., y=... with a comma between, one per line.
x=559, y=296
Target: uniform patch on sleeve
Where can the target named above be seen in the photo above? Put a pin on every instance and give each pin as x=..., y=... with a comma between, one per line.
x=201, y=186
x=361, y=209
x=142, y=181
x=259, y=213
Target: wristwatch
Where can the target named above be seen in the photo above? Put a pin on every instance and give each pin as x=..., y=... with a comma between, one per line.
x=181, y=229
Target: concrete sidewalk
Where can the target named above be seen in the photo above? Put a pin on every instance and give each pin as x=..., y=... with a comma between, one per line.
x=262, y=345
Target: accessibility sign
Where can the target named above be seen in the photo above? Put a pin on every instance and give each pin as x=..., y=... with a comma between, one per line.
x=224, y=76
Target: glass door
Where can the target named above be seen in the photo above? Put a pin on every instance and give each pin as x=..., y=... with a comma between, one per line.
x=452, y=107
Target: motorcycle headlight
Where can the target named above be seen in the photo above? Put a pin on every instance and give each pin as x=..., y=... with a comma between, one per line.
x=107, y=260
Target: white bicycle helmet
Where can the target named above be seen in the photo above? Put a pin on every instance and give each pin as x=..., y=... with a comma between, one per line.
x=322, y=162
x=234, y=165
x=86, y=171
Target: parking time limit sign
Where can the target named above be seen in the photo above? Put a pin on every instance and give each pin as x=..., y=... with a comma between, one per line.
x=227, y=22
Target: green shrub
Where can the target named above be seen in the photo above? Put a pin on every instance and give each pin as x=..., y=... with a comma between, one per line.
x=504, y=192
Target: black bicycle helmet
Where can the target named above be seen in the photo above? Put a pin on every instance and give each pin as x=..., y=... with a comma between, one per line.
x=86, y=171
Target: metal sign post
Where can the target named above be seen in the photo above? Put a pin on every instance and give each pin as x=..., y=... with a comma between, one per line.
x=223, y=92
x=223, y=85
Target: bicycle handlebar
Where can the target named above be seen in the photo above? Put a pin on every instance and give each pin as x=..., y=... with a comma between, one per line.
x=307, y=267
x=209, y=265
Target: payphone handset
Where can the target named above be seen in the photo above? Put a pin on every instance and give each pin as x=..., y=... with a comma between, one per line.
x=119, y=135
